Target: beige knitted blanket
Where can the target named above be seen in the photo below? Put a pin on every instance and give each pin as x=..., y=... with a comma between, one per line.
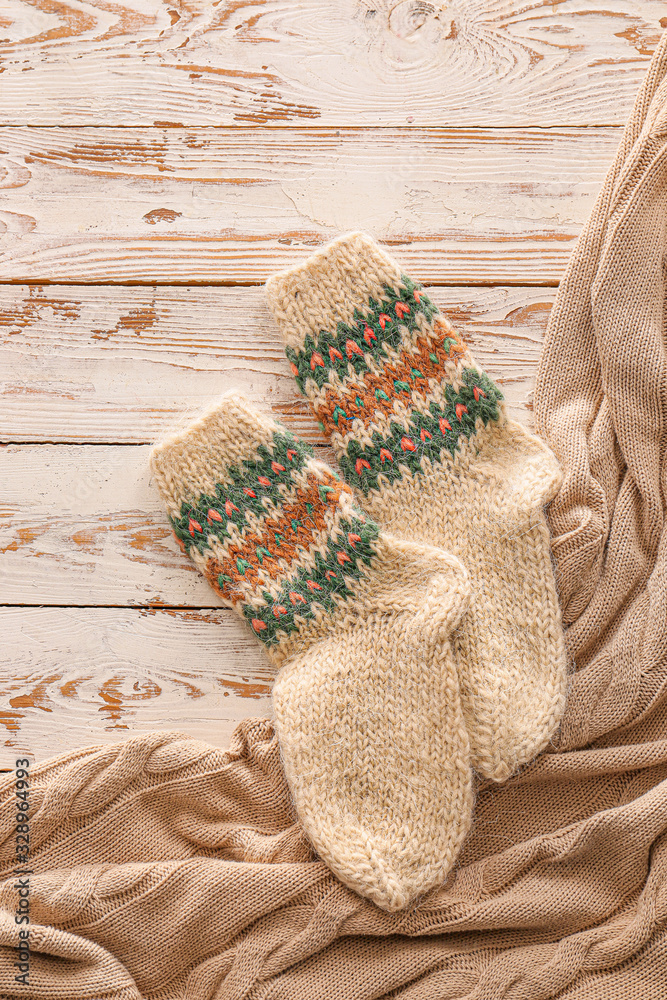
x=163, y=868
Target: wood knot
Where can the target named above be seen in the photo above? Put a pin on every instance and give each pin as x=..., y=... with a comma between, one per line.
x=408, y=16
x=161, y=215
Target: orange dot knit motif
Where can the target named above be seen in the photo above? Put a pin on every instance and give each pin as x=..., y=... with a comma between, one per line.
x=358, y=624
x=422, y=437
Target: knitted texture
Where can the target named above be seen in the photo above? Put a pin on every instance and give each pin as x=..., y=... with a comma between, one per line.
x=422, y=435
x=165, y=867
x=366, y=700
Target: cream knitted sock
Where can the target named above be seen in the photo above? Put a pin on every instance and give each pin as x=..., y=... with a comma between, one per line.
x=366, y=700
x=422, y=435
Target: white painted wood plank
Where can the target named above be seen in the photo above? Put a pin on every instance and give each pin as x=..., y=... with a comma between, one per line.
x=223, y=206
x=121, y=364
x=324, y=62
x=81, y=525
x=71, y=677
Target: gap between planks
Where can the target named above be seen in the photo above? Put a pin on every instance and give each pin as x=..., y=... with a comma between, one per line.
x=82, y=522
x=119, y=365
x=229, y=207
x=115, y=672
x=86, y=547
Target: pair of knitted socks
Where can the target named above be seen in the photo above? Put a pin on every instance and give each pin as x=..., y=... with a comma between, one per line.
x=410, y=607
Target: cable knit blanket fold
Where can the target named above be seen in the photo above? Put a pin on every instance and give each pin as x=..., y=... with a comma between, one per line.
x=167, y=869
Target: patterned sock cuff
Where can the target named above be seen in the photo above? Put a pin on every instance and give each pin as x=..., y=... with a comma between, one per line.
x=276, y=533
x=389, y=379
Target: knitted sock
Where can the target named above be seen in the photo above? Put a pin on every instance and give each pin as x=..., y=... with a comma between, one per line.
x=366, y=700
x=422, y=435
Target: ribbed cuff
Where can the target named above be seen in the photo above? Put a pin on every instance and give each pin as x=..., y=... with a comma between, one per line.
x=195, y=461
x=330, y=287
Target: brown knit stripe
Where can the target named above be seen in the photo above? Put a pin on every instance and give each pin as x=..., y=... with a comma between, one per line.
x=260, y=553
x=301, y=482
x=401, y=371
x=246, y=590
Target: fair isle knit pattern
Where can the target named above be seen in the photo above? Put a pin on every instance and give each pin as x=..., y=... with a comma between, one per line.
x=274, y=539
x=276, y=533
x=366, y=700
x=423, y=438
x=392, y=352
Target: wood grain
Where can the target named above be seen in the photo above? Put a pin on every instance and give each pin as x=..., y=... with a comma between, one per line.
x=76, y=676
x=198, y=148
x=324, y=62
x=226, y=206
x=82, y=524
x=125, y=364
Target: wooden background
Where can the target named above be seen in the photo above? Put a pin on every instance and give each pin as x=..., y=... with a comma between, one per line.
x=158, y=160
